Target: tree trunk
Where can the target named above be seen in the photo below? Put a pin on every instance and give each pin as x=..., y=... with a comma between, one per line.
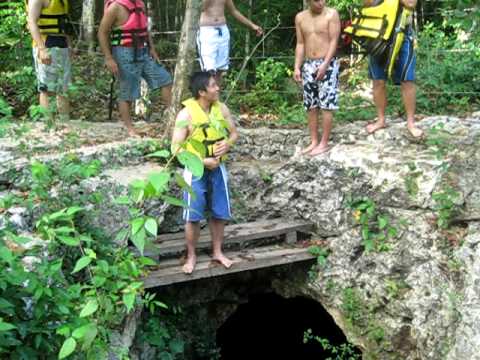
x=88, y=24
x=185, y=60
x=305, y=4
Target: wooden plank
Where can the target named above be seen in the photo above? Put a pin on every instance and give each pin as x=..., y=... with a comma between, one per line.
x=237, y=229
x=242, y=261
x=237, y=234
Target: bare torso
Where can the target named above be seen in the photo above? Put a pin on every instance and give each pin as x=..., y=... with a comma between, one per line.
x=213, y=13
x=315, y=31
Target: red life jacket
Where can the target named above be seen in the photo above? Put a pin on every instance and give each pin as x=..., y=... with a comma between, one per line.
x=134, y=32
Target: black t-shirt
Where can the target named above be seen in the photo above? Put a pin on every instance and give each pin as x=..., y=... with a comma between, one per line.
x=56, y=41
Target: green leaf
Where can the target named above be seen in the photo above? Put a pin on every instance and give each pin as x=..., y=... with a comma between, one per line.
x=139, y=240
x=160, y=180
x=182, y=124
x=382, y=222
x=89, y=337
x=145, y=261
x=129, y=300
x=68, y=347
x=64, y=230
x=81, y=263
x=73, y=210
x=365, y=233
x=151, y=226
x=198, y=146
x=6, y=255
x=80, y=332
x=99, y=280
x=160, y=154
x=192, y=162
x=137, y=224
x=4, y=326
x=183, y=184
x=122, y=200
x=68, y=240
x=174, y=201
x=89, y=308
x=176, y=346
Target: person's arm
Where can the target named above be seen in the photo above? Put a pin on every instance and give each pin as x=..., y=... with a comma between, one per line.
x=299, y=51
x=180, y=133
x=34, y=10
x=238, y=15
x=333, y=36
x=222, y=147
x=104, y=29
x=409, y=4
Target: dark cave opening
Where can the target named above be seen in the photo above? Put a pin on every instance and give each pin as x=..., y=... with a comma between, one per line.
x=272, y=327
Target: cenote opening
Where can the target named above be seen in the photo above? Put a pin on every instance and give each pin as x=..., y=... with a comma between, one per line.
x=272, y=327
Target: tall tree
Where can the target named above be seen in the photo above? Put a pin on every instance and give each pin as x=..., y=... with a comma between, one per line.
x=88, y=24
x=185, y=59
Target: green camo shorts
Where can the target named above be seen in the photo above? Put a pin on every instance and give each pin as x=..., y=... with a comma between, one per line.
x=57, y=76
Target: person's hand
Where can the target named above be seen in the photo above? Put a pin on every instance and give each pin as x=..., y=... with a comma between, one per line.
x=258, y=30
x=322, y=69
x=297, y=75
x=154, y=55
x=221, y=148
x=211, y=163
x=44, y=56
x=111, y=65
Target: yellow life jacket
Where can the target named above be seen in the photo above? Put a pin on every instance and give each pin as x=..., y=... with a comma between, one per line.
x=380, y=31
x=397, y=39
x=53, y=19
x=376, y=22
x=207, y=128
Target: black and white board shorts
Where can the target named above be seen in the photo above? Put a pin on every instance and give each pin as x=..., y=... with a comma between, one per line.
x=322, y=94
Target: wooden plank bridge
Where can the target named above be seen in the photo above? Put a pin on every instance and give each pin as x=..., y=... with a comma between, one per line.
x=250, y=246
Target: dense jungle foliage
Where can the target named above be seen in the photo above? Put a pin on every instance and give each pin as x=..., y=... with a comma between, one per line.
x=83, y=290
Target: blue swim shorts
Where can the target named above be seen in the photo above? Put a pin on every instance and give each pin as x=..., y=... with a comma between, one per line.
x=405, y=65
x=132, y=71
x=211, y=192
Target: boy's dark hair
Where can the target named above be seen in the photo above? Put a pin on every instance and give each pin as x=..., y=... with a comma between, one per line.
x=199, y=81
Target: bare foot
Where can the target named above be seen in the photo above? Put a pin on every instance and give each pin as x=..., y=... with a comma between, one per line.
x=189, y=265
x=222, y=259
x=320, y=149
x=308, y=149
x=414, y=131
x=372, y=127
x=133, y=133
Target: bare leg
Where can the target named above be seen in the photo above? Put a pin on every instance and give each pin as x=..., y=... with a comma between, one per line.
x=312, y=116
x=409, y=98
x=124, y=108
x=327, y=128
x=63, y=106
x=192, y=233
x=380, y=100
x=44, y=99
x=217, y=228
x=167, y=95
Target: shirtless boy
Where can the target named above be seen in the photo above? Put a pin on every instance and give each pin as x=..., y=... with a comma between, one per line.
x=213, y=37
x=316, y=66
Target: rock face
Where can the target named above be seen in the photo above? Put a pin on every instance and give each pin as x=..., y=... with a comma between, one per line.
x=418, y=298
x=399, y=217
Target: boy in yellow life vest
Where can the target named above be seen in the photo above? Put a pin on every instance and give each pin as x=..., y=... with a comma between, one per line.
x=205, y=116
x=48, y=25
x=403, y=75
